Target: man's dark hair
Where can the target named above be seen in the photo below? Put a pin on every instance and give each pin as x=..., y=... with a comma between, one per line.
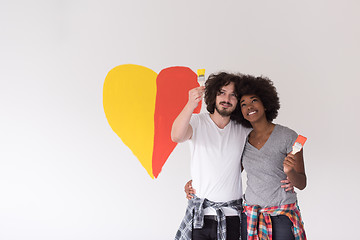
x=264, y=89
x=214, y=84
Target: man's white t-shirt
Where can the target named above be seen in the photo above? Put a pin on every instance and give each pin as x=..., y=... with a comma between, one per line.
x=216, y=160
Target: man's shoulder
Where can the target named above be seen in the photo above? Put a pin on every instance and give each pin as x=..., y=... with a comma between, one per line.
x=197, y=119
x=200, y=116
x=241, y=127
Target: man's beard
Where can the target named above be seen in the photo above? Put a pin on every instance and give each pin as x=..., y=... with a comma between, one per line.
x=224, y=112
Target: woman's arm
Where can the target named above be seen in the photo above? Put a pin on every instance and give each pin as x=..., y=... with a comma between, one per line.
x=295, y=169
x=189, y=190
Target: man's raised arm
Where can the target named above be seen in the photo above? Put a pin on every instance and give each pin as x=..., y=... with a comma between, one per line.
x=181, y=129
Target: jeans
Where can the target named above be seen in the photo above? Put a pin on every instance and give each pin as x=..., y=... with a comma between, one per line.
x=209, y=230
x=281, y=227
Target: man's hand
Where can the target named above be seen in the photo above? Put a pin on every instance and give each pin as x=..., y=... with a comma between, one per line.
x=195, y=96
x=189, y=190
x=181, y=129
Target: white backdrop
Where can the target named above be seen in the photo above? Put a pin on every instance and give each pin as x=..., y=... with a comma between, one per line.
x=65, y=174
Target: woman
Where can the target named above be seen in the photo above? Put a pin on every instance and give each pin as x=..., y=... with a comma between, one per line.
x=272, y=213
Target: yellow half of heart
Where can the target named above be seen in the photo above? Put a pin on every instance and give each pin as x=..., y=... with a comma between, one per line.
x=131, y=113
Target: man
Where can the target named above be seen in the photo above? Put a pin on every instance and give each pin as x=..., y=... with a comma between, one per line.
x=216, y=143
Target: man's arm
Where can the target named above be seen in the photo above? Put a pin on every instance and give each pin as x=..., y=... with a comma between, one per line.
x=181, y=129
x=189, y=190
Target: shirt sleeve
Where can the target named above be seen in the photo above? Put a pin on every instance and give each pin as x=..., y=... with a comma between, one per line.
x=194, y=121
x=291, y=138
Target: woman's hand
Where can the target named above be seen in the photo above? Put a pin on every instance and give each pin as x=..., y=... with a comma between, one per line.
x=295, y=170
x=289, y=163
x=287, y=185
x=189, y=190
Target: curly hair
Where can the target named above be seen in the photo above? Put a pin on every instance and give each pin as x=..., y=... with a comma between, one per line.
x=264, y=89
x=212, y=87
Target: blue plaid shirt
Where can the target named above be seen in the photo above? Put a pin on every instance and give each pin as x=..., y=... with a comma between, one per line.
x=194, y=216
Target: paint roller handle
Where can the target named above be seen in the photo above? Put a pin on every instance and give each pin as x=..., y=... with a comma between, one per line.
x=201, y=80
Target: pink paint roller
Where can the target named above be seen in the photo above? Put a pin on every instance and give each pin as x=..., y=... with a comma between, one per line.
x=298, y=145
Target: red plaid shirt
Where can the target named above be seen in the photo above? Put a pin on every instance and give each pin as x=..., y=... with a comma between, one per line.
x=255, y=214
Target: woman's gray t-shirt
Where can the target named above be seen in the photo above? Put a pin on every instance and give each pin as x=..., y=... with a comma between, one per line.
x=265, y=169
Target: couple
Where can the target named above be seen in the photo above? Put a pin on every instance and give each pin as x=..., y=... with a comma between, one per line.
x=238, y=132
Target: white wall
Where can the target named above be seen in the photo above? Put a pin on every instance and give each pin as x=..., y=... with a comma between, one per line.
x=65, y=174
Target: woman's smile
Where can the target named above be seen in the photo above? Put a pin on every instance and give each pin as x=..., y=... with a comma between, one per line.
x=251, y=113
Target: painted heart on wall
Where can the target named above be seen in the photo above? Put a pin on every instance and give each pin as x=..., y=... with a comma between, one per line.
x=141, y=105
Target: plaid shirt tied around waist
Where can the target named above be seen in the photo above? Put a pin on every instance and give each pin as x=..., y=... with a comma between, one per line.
x=257, y=216
x=194, y=216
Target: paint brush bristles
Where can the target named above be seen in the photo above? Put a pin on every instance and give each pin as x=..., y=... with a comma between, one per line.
x=298, y=145
x=201, y=77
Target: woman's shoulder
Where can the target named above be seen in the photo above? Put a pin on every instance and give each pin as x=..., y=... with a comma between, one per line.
x=285, y=131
